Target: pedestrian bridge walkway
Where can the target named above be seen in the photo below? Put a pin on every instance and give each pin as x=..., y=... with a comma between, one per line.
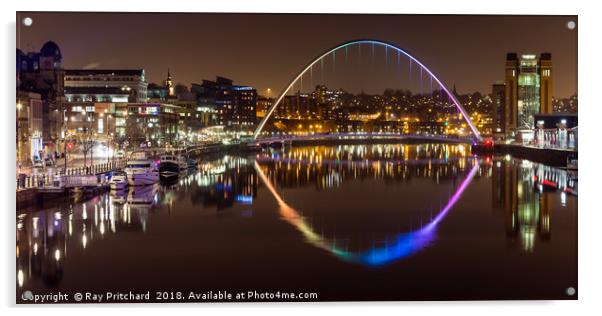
x=362, y=136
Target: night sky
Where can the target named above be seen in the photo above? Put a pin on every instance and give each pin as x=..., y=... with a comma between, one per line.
x=268, y=50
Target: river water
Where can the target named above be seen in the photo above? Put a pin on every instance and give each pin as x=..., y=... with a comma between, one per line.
x=363, y=222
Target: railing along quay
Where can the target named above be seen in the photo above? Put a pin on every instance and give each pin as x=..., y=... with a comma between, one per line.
x=53, y=179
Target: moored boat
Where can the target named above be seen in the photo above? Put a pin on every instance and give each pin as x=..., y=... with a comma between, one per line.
x=169, y=167
x=192, y=163
x=141, y=171
x=119, y=181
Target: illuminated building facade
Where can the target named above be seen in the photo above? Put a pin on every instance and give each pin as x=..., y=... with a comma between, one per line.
x=528, y=90
x=95, y=94
x=90, y=117
x=30, y=126
x=263, y=105
x=131, y=82
x=235, y=105
x=498, y=100
x=90, y=104
x=148, y=124
x=298, y=106
x=40, y=73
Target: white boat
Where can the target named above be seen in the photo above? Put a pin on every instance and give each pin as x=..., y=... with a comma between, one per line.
x=141, y=171
x=119, y=181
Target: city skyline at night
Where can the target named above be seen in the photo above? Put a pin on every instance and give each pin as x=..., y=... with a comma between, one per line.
x=230, y=157
x=199, y=46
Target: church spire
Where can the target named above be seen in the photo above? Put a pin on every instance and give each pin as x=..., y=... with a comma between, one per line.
x=169, y=84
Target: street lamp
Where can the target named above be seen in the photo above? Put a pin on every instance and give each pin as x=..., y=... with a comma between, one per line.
x=65, y=139
x=109, y=136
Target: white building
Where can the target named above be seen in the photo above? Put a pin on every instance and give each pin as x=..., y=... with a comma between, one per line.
x=129, y=82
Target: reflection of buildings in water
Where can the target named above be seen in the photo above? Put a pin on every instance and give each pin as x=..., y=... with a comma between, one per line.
x=223, y=183
x=44, y=237
x=134, y=219
x=327, y=167
x=380, y=253
x=41, y=246
x=522, y=189
x=373, y=152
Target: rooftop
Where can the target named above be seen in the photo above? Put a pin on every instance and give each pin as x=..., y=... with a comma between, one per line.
x=95, y=90
x=112, y=72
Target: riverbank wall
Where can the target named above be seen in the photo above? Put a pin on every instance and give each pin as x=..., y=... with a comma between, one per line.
x=549, y=156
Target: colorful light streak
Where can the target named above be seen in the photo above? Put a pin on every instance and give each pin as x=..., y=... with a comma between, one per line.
x=403, y=245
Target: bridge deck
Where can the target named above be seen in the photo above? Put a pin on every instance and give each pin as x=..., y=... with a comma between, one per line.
x=368, y=138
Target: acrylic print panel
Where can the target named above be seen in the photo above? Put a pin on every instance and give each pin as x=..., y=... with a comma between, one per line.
x=192, y=157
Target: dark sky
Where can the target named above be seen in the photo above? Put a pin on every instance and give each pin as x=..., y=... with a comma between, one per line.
x=268, y=50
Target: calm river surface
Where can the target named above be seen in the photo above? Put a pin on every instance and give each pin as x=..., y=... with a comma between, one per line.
x=368, y=222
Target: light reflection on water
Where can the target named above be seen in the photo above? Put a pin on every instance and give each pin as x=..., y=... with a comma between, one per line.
x=523, y=193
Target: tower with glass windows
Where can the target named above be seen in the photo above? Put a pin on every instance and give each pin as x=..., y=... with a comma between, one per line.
x=528, y=90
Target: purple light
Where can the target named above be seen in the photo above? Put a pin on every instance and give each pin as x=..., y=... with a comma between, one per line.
x=452, y=201
x=404, y=244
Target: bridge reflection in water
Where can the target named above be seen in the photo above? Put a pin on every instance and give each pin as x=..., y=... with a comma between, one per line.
x=521, y=193
x=402, y=245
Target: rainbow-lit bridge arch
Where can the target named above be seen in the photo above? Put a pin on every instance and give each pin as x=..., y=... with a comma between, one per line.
x=259, y=128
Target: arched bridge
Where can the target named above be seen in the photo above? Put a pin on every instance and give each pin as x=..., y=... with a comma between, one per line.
x=309, y=66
